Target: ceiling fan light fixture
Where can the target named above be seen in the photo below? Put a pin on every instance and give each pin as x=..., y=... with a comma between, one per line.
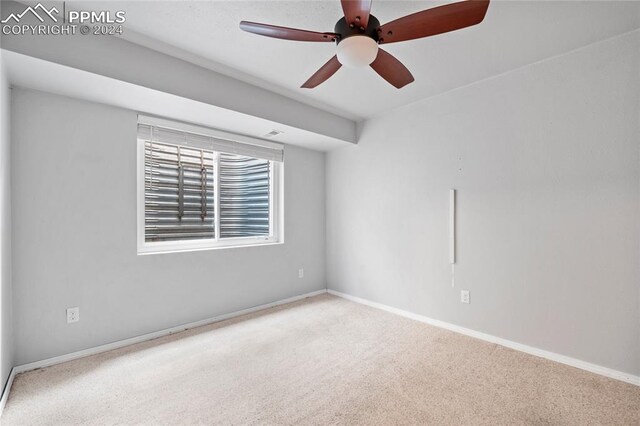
x=357, y=51
x=358, y=34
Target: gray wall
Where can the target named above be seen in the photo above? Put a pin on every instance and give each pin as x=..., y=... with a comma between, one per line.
x=6, y=330
x=546, y=162
x=74, y=211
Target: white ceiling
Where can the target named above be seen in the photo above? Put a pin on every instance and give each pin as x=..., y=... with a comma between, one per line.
x=513, y=34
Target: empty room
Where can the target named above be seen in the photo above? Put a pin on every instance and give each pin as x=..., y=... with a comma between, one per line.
x=320, y=212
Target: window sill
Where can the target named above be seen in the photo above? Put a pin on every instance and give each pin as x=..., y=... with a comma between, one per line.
x=144, y=251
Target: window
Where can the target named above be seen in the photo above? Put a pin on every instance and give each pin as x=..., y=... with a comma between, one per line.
x=201, y=188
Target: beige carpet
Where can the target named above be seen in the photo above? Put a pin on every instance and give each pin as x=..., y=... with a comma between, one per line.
x=323, y=360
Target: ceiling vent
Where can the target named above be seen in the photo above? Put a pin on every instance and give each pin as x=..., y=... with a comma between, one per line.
x=273, y=133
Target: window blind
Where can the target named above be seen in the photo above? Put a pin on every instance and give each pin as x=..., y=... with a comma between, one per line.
x=192, y=180
x=258, y=149
x=179, y=192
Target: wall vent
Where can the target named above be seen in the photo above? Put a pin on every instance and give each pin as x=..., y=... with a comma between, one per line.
x=273, y=133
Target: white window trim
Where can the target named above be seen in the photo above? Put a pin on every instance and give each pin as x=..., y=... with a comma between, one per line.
x=276, y=214
x=192, y=128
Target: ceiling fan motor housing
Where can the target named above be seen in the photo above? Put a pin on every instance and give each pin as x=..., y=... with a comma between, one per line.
x=346, y=30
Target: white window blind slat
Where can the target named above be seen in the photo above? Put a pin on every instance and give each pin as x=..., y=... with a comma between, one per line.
x=271, y=152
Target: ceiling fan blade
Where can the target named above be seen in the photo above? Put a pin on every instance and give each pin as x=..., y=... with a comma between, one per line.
x=323, y=74
x=391, y=69
x=356, y=12
x=438, y=20
x=286, y=33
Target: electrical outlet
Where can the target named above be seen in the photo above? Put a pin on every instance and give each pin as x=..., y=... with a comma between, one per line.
x=464, y=296
x=301, y=273
x=73, y=315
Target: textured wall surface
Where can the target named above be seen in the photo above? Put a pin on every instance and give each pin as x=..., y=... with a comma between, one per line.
x=74, y=186
x=6, y=329
x=546, y=163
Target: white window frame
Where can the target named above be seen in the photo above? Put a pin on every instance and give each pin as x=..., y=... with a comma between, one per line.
x=276, y=202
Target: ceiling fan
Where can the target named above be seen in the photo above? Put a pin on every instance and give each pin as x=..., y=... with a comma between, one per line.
x=359, y=33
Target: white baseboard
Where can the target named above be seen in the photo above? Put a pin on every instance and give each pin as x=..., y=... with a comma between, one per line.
x=608, y=372
x=7, y=388
x=138, y=339
x=150, y=336
x=593, y=368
